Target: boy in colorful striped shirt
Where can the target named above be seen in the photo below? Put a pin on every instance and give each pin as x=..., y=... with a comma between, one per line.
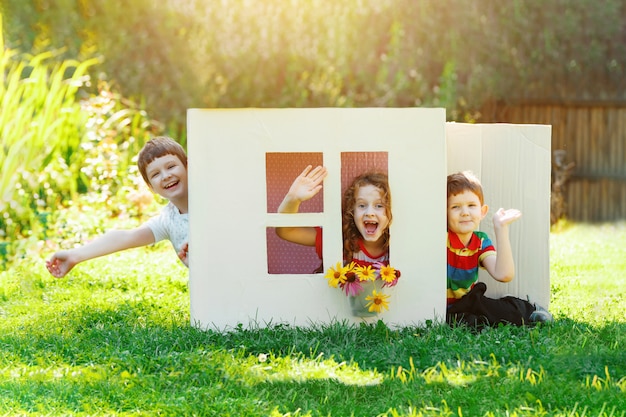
x=468, y=249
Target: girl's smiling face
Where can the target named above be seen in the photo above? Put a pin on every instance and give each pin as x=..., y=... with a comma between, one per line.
x=370, y=213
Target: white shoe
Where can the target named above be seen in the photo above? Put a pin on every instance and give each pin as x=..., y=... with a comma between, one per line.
x=540, y=315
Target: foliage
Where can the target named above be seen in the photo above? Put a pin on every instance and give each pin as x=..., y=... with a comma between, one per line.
x=114, y=338
x=39, y=132
x=54, y=147
x=116, y=131
x=455, y=54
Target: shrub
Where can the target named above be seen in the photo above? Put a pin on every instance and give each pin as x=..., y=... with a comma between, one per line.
x=455, y=54
x=54, y=147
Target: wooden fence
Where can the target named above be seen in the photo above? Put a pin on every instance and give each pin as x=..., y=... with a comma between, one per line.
x=593, y=137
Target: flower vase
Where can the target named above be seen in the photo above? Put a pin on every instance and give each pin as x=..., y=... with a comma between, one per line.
x=358, y=302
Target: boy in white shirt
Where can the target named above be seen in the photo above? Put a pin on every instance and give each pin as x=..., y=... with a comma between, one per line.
x=163, y=165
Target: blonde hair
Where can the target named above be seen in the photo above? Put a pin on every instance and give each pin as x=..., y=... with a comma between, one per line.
x=351, y=234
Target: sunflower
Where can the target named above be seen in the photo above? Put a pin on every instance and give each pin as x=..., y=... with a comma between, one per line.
x=352, y=284
x=336, y=276
x=377, y=301
x=387, y=274
x=366, y=273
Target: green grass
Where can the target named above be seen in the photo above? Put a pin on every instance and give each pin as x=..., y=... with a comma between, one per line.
x=113, y=338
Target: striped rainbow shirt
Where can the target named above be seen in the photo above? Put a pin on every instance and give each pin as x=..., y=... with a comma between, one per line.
x=463, y=263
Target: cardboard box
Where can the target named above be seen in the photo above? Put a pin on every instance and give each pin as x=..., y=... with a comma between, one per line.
x=513, y=164
x=228, y=151
x=242, y=161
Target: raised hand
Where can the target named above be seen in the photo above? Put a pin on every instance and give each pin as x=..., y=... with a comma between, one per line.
x=308, y=183
x=504, y=217
x=305, y=186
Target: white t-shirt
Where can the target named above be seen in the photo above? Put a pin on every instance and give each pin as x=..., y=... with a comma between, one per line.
x=172, y=225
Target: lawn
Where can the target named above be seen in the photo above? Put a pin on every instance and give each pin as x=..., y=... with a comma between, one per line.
x=113, y=338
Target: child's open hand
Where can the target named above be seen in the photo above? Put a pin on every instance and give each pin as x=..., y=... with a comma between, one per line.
x=308, y=183
x=504, y=217
x=60, y=264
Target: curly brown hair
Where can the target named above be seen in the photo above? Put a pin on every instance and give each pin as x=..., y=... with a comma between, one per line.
x=351, y=234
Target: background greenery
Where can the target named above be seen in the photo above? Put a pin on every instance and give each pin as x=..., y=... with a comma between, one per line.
x=58, y=149
x=83, y=83
x=457, y=54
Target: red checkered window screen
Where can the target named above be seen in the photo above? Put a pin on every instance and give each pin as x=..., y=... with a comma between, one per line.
x=281, y=169
x=354, y=164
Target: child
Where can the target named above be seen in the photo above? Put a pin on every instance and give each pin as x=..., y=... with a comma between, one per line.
x=469, y=248
x=366, y=216
x=163, y=166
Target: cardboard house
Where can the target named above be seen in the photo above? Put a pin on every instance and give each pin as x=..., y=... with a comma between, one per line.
x=242, y=162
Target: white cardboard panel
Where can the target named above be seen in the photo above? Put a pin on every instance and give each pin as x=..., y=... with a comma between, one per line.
x=229, y=282
x=513, y=164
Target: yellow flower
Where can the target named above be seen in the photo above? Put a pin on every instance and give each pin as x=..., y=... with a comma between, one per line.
x=351, y=267
x=377, y=301
x=387, y=273
x=366, y=273
x=336, y=275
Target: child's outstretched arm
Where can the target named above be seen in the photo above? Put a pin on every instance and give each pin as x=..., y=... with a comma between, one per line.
x=502, y=266
x=305, y=187
x=63, y=261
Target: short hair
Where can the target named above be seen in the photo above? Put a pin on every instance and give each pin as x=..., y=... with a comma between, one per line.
x=460, y=182
x=351, y=234
x=157, y=147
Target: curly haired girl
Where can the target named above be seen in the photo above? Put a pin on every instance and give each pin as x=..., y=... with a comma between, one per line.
x=366, y=216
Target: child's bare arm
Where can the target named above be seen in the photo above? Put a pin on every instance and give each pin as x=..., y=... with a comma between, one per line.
x=305, y=187
x=502, y=266
x=63, y=261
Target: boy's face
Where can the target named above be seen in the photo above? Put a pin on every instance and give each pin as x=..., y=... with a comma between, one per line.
x=168, y=177
x=370, y=213
x=465, y=212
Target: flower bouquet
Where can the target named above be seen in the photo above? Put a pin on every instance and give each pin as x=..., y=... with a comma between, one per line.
x=363, y=285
